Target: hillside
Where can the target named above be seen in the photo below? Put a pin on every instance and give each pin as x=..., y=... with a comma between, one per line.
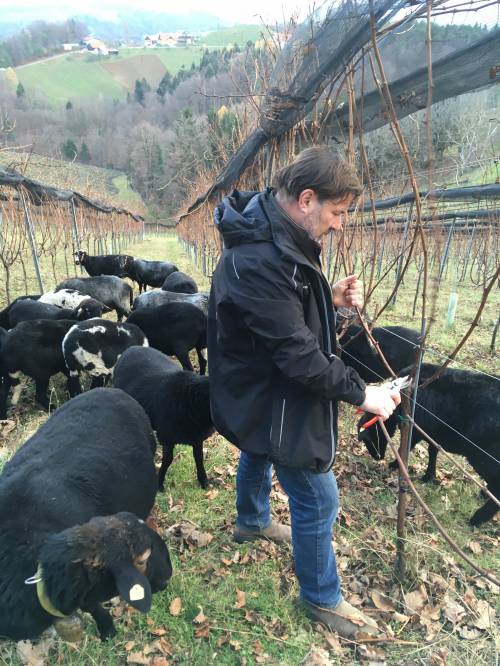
x=81, y=75
x=106, y=185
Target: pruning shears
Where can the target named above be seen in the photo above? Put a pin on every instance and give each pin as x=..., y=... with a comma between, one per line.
x=399, y=383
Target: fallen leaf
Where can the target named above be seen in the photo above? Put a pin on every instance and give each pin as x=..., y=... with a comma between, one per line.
x=175, y=607
x=212, y=494
x=316, y=657
x=34, y=654
x=202, y=630
x=475, y=547
x=137, y=658
x=485, y=614
x=199, y=539
x=240, y=599
x=469, y=633
x=453, y=611
x=333, y=642
x=158, y=631
x=415, y=600
x=129, y=645
x=381, y=601
x=200, y=618
x=399, y=617
x=158, y=660
x=371, y=654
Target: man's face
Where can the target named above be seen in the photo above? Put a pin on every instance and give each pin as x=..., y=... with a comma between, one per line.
x=321, y=217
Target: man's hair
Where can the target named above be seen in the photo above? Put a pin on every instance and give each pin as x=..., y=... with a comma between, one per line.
x=320, y=170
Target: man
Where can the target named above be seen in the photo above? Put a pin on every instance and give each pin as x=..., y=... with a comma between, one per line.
x=275, y=379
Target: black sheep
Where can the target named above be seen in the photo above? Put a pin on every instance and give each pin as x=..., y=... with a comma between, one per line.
x=94, y=346
x=358, y=354
x=177, y=402
x=151, y=273
x=35, y=349
x=121, y=265
x=156, y=297
x=174, y=329
x=4, y=314
x=470, y=403
x=181, y=283
x=27, y=310
x=72, y=504
x=109, y=289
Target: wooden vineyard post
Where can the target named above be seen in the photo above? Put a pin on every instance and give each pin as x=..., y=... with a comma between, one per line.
x=31, y=239
x=401, y=565
x=74, y=228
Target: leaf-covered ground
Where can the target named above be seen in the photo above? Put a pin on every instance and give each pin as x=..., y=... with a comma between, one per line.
x=233, y=604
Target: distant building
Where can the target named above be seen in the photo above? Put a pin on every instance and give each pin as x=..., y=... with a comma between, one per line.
x=168, y=39
x=95, y=46
x=70, y=47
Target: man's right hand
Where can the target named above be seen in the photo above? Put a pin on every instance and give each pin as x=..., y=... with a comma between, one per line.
x=381, y=401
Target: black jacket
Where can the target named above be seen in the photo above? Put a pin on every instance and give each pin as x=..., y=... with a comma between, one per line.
x=274, y=377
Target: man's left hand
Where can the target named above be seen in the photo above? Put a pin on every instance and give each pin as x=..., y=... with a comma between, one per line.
x=348, y=292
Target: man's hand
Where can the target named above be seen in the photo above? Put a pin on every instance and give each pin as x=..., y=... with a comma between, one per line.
x=348, y=292
x=381, y=401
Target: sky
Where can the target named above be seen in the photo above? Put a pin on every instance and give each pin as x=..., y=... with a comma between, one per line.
x=249, y=11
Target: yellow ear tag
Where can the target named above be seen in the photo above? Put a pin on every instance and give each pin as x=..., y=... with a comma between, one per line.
x=136, y=592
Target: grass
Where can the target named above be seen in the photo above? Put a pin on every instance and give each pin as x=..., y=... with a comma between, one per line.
x=268, y=628
x=238, y=34
x=81, y=75
x=108, y=185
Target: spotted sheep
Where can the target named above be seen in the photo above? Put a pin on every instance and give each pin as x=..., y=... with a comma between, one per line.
x=94, y=346
x=109, y=289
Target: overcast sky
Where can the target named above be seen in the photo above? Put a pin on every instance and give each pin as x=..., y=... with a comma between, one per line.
x=251, y=11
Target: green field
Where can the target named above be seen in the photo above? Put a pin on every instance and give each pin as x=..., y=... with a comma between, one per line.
x=81, y=75
x=238, y=34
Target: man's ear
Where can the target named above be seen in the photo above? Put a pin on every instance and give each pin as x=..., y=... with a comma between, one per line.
x=305, y=199
x=133, y=587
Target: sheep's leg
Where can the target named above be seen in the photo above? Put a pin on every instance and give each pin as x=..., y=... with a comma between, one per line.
x=4, y=394
x=168, y=456
x=184, y=360
x=73, y=385
x=41, y=392
x=430, y=472
x=200, y=467
x=103, y=620
x=17, y=384
x=201, y=360
x=97, y=381
x=489, y=508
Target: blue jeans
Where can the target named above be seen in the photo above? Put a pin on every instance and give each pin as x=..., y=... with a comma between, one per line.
x=313, y=501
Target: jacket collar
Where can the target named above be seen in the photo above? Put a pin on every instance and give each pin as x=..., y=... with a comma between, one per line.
x=293, y=241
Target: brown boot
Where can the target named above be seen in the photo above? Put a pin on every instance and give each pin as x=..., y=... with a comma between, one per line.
x=273, y=532
x=346, y=620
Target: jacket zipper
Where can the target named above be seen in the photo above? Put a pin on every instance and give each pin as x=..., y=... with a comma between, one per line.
x=282, y=420
x=329, y=349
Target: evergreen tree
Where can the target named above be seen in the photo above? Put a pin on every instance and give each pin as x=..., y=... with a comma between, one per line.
x=84, y=154
x=139, y=92
x=69, y=105
x=165, y=86
x=20, y=92
x=69, y=149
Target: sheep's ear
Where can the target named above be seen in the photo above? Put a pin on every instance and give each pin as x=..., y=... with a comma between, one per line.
x=133, y=587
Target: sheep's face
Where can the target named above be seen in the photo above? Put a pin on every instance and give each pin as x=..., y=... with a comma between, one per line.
x=107, y=555
x=80, y=257
x=374, y=440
